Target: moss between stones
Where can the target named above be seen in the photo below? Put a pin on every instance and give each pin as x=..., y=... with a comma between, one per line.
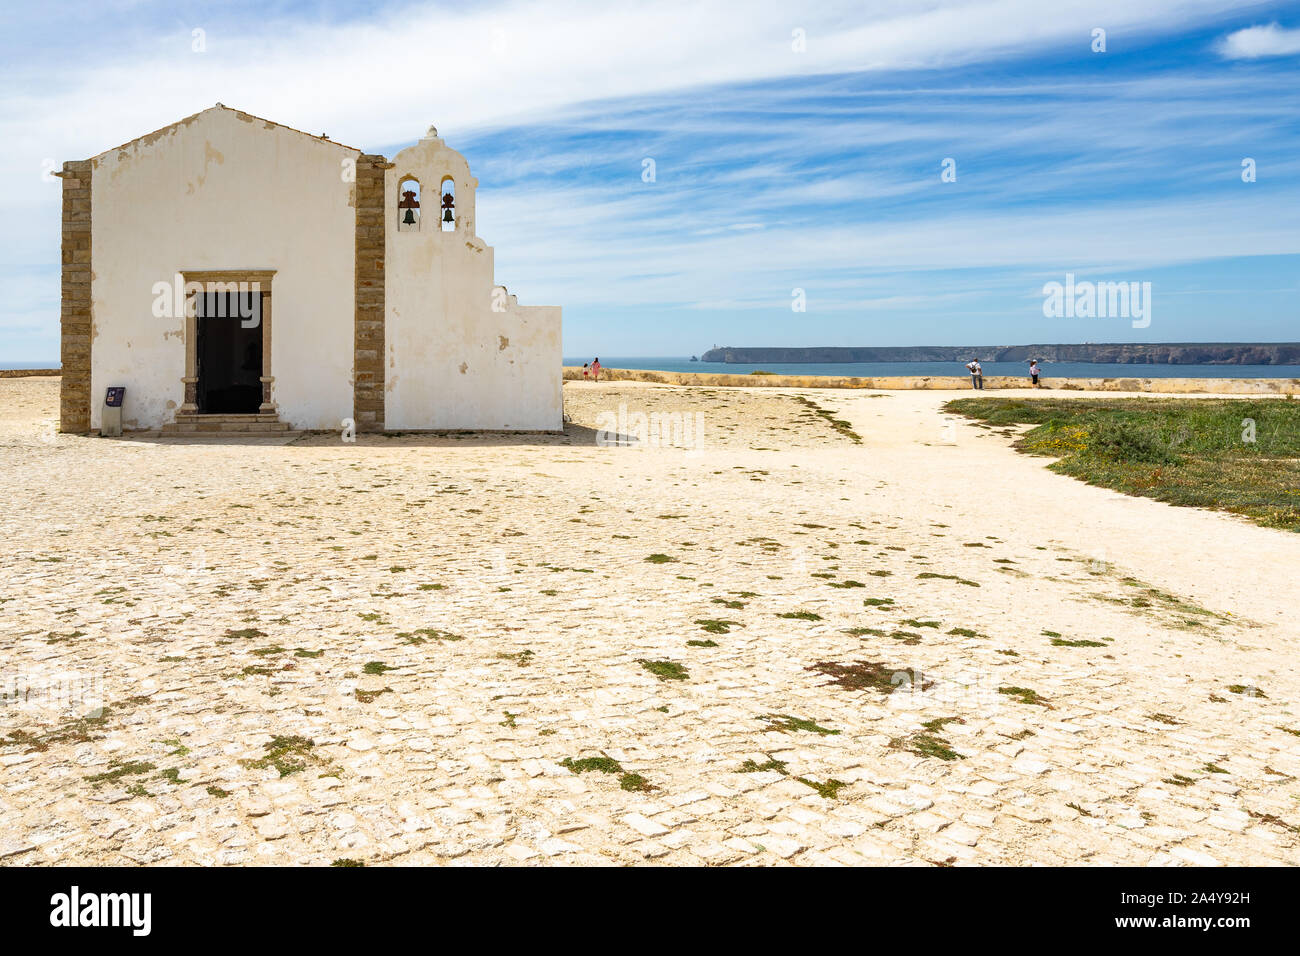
x=665, y=670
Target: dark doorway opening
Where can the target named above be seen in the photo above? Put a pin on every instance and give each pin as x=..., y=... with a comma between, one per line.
x=229, y=352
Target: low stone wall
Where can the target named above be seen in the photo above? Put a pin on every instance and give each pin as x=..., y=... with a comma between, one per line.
x=29, y=372
x=1215, y=386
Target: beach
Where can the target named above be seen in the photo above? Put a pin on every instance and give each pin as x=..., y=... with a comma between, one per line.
x=763, y=639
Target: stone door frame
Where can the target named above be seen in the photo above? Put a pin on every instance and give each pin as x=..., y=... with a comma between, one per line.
x=220, y=281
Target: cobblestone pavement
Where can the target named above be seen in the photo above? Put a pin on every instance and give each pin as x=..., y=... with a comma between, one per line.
x=779, y=645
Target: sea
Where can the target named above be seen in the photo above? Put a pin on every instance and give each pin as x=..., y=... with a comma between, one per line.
x=881, y=369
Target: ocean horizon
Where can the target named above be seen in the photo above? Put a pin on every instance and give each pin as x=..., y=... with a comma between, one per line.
x=914, y=369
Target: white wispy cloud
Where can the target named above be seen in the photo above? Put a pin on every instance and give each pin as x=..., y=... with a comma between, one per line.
x=1254, y=42
x=380, y=82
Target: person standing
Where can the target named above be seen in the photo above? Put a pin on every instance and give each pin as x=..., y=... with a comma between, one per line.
x=1034, y=372
x=595, y=370
x=586, y=371
x=976, y=373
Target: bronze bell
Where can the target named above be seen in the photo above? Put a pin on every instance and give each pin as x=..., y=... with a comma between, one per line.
x=446, y=215
x=409, y=218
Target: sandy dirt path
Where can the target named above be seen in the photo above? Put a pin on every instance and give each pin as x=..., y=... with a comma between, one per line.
x=948, y=464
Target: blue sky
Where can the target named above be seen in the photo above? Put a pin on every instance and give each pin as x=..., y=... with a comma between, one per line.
x=775, y=169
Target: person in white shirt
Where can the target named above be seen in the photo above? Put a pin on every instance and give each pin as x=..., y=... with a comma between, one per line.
x=976, y=373
x=1034, y=372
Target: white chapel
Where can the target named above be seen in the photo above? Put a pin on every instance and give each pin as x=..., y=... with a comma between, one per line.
x=235, y=274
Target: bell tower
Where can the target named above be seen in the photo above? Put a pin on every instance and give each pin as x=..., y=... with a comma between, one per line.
x=458, y=349
x=443, y=187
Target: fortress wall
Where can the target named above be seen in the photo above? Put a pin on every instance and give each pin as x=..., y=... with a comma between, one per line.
x=1209, y=386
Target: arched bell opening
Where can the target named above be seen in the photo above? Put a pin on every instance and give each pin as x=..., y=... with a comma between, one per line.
x=448, y=202
x=408, y=205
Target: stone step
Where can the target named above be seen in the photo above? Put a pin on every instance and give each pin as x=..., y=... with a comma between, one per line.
x=226, y=427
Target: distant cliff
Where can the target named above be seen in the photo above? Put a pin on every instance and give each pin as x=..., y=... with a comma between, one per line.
x=1125, y=353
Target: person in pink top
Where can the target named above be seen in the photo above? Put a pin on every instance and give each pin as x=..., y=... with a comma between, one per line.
x=595, y=370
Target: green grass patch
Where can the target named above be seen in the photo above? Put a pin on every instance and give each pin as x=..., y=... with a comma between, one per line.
x=771, y=764
x=1186, y=452
x=55, y=637
x=827, y=788
x=1025, y=696
x=717, y=625
x=929, y=743
x=631, y=782
x=422, y=635
x=117, y=769
x=287, y=754
x=841, y=426
x=634, y=783
x=925, y=575
x=590, y=764
x=926, y=745
x=867, y=675
x=784, y=724
x=665, y=670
